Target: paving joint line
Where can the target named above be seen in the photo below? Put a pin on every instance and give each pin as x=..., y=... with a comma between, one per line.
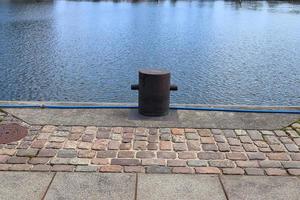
x=49, y=186
x=223, y=187
x=136, y=186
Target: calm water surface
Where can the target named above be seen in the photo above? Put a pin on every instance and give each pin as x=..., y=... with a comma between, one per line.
x=218, y=52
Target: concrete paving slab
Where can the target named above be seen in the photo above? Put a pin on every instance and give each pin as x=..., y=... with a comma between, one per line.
x=264, y=188
x=179, y=186
x=121, y=117
x=24, y=185
x=92, y=186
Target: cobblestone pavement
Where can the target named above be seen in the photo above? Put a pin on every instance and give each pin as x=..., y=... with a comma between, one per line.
x=153, y=150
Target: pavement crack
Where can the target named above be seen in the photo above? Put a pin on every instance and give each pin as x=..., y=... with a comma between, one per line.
x=223, y=187
x=48, y=186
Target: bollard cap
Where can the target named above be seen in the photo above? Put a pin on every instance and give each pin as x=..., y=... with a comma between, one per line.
x=154, y=71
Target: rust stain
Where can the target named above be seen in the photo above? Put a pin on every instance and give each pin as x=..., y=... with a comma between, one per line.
x=12, y=132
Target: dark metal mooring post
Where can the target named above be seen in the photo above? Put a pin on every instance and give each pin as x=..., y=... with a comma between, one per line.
x=154, y=92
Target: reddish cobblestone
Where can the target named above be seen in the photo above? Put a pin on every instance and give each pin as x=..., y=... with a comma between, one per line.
x=163, y=150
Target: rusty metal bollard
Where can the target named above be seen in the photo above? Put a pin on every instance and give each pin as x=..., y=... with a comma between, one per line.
x=154, y=92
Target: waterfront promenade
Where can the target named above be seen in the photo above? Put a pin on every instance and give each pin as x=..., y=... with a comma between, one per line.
x=150, y=162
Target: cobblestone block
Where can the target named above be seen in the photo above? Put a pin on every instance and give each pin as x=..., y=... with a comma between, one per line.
x=294, y=172
x=111, y=168
x=211, y=156
x=233, y=171
x=292, y=133
x=91, y=130
x=82, y=168
x=100, y=161
x=60, y=161
x=165, y=137
x=47, y=153
x=220, y=138
x=125, y=161
x=106, y=135
x=197, y=163
x=77, y=129
x=49, y=128
x=204, y=132
x=278, y=156
x=145, y=154
x=160, y=162
x=57, y=139
x=125, y=146
x=270, y=164
x=38, y=144
x=295, y=156
x=221, y=163
x=236, y=156
x=67, y=153
x=250, y=147
x=107, y=154
x=187, y=155
x=152, y=146
x=20, y=167
x=177, y=131
x=54, y=145
x=207, y=140
x=176, y=163
x=292, y=147
x=247, y=164
x=87, y=137
x=80, y=161
x=178, y=138
x=209, y=147
x=229, y=133
x=183, y=170
x=100, y=144
x=234, y=141
x=158, y=169
x=5, y=167
x=4, y=158
x=270, y=139
x=266, y=132
x=255, y=135
x=277, y=148
x=114, y=145
x=84, y=145
x=275, y=172
x=166, y=155
x=240, y=132
x=245, y=139
x=126, y=154
x=27, y=152
x=74, y=136
x=17, y=160
x=223, y=147
x=254, y=171
x=237, y=148
x=192, y=136
x=134, y=169
x=153, y=138
x=165, y=145
x=69, y=144
x=193, y=145
x=38, y=160
x=180, y=147
x=216, y=131
x=140, y=145
x=9, y=152
x=280, y=133
x=291, y=164
x=41, y=168
x=207, y=170
x=63, y=168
